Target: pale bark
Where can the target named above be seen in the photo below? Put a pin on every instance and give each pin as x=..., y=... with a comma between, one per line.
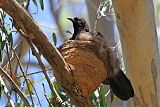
x=136, y=24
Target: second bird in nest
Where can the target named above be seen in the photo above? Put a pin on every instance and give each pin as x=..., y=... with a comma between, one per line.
x=117, y=80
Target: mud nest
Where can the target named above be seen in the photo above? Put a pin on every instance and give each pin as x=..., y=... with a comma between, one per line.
x=87, y=68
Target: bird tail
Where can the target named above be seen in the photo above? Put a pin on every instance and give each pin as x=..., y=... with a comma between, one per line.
x=120, y=85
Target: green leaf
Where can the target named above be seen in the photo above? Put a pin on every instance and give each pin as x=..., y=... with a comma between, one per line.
x=64, y=97
x=54, y=38
x=101, y=7
x=112, y=95
x=30, y=84
x=57, y=87
x=8, y=32
x=3, y=15
x=35, y=2
x=102, y=97
x=17, y=105
x=60, y=91
x=10, y=38
x=94, y=100
x=41, y=4
x=41, y=79
x=51, y=97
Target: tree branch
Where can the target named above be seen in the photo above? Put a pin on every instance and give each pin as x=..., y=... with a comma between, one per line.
x=33, y=32
x=20, y=93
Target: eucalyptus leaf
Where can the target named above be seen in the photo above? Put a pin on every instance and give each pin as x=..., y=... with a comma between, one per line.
x=54, y=38
x=35, y=2
x=30, y=84
x=112, y=95
x=41, y=79
x=41, y=4
x=102, y=97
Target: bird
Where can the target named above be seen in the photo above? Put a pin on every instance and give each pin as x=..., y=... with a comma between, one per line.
x=118, y=81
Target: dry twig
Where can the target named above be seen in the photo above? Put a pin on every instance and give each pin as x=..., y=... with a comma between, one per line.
x=19, y=92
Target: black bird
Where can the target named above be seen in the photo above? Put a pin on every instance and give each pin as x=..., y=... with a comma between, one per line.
x=117, y=80
x=80, y=26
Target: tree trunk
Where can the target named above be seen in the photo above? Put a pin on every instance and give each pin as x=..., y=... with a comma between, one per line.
x=136, y=24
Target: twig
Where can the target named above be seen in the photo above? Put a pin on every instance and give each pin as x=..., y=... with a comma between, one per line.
x=49, y=28
x=22, y=88
x=19, y=92
x=34, y=73
x=67, y=31
x=53, y=90
x=9, y=60
x=50, y=104
x=29, y=58
x=20, y=66
x=27, y=4
x=35, y=92
x=114, y=47
x=6, y=92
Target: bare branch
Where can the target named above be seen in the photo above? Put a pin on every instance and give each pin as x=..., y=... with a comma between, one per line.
x=36, y=72
x=20, y=66
x=50, y=104
x=37, y=55
x=7, y=92
x=35, y=92
x=19, y=92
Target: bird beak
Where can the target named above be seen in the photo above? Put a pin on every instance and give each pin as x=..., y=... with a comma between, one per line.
x=70, y=19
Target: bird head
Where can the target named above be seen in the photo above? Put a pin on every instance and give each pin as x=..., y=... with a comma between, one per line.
x=79, y=24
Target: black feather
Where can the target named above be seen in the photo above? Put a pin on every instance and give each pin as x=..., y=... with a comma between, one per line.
x=120, y=85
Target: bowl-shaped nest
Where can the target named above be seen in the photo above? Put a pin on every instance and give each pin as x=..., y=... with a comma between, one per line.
x=87, y=69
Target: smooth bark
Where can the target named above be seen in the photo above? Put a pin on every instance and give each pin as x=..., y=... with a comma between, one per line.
x=136, y=24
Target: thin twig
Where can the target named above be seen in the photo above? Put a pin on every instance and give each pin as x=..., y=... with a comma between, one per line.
x=10, y=67
x=35, y=92
x=114, y=47
x=7, y=92
x=67, y=31
x=50, y=104
x=27, y=4
x=19, y=92
x=29, y=59
x=22, y=88
x=36, y=72
x=53, y=90
x=20, y=66
x=37, y=55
